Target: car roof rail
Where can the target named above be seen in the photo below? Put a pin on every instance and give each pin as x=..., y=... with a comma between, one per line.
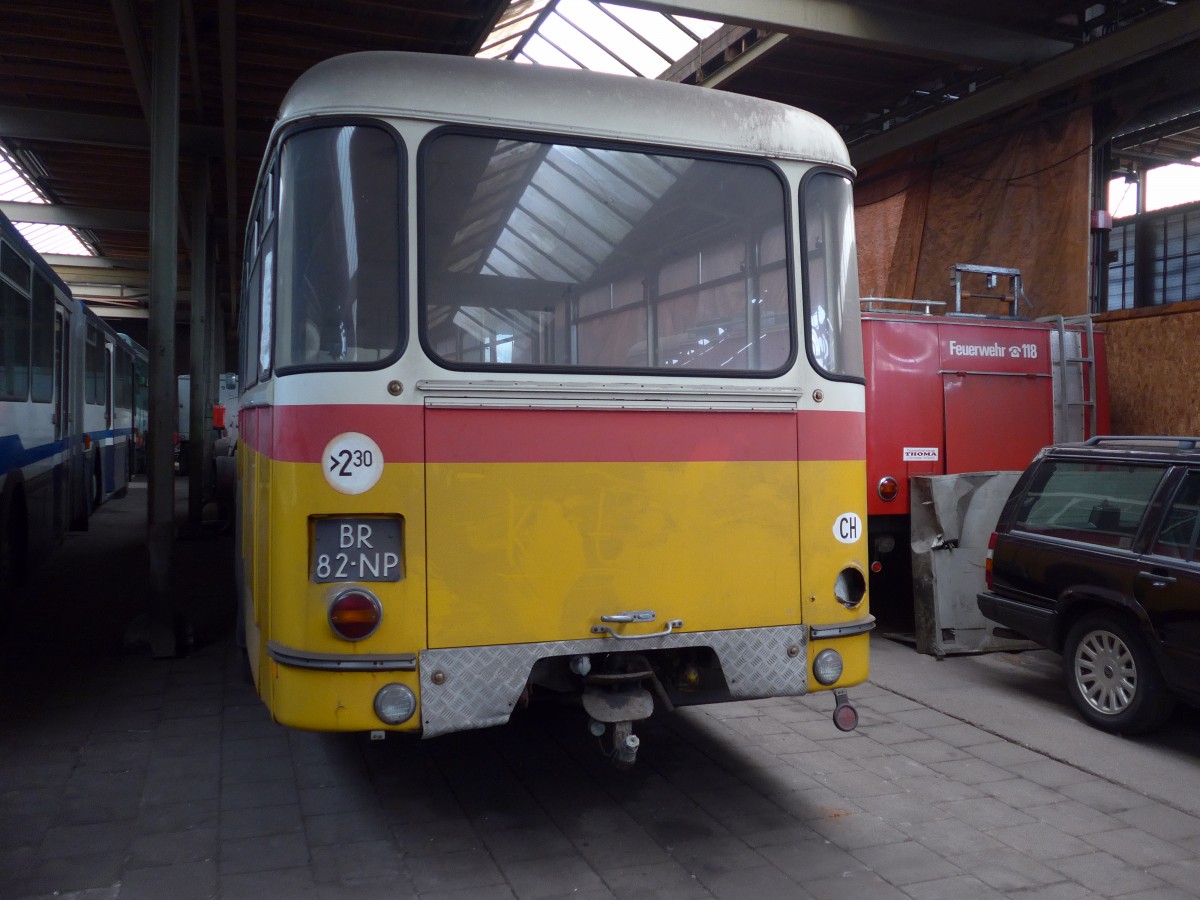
x=1183, y=443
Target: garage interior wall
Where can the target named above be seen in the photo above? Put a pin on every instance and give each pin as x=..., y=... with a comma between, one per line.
x=1151, y=361
x=1003, y=194
x=1018, y=196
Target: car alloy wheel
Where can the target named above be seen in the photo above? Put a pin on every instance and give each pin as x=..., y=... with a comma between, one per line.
x=1105, y=672
x=1112, y=676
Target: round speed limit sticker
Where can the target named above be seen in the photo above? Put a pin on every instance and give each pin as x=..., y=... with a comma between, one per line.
x=352, y=463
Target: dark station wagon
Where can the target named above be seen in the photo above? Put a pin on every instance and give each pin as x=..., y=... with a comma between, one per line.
x=1095, y=556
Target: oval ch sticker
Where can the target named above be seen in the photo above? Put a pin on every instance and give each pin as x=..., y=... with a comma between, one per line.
x=847, y=528
x=352, y=463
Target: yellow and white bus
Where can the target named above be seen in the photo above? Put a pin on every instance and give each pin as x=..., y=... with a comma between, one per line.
x=551, y=385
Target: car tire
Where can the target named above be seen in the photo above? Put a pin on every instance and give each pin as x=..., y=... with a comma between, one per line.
x=1112, y=677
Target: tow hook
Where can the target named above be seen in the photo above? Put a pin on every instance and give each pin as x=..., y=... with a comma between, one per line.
x=614, y=694
x=845, y=716
x=625, y=743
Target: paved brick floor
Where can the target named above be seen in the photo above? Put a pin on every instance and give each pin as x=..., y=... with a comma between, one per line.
x=127, y=777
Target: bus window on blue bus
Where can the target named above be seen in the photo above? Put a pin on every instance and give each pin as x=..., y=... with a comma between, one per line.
x=14, y=343
x=561, y=256
x=831, y=275
x=93, y=367
x=338, y=297
x=43, y=340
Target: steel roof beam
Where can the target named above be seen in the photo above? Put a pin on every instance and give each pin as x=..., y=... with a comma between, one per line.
x=120, y=282
x=60, y=261
x=890, y=28
x=1152, y=36
x=20, y=122
x=743, y=60
x=76, y=216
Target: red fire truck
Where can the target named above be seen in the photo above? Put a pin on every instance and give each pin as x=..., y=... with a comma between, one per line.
x=964, y=392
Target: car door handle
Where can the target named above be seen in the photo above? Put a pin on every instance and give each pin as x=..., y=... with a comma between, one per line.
x=1156, y=579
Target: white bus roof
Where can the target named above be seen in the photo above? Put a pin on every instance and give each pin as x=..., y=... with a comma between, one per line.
x=559, y=101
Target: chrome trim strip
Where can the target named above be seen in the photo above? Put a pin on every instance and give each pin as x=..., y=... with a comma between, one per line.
x=340, y=662
x=982, y=372
x=595, y=395
x=848, y=629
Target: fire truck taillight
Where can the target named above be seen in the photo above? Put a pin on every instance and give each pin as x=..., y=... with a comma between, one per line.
x=889, y=488
x=355, y=614
x=987, y=561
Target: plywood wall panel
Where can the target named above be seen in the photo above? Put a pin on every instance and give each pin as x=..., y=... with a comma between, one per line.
x=1153, y=360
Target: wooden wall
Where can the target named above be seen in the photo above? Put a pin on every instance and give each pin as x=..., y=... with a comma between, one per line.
x=1152, y=363
x=1007, y=194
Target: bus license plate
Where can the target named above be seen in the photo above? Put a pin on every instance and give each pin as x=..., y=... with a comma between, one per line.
x=357, y=550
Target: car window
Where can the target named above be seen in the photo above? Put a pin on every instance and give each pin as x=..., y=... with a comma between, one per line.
x=1100, y=503
x=1181, y=524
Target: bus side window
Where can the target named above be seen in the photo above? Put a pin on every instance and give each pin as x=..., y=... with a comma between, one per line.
x=14, y=344
x=338, y=297
x=42, y=390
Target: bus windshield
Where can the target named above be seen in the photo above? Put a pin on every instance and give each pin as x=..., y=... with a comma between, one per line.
x=556, y=256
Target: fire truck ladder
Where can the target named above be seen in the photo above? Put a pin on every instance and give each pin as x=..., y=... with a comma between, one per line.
x=1074, y=378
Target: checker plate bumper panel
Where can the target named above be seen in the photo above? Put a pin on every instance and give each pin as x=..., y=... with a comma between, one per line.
x=481, y=685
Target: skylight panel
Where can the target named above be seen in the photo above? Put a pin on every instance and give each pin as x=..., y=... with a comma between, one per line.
x=581, y=47
x=636, y=52
x=589, y=34
x=519, y=18
x=17, y=188
x=539, y=50
x=663, y=31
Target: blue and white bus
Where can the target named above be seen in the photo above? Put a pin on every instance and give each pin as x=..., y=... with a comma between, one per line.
x=68, y=408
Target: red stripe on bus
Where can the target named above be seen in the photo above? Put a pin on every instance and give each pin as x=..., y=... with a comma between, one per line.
x=301, y=433
x=832, y=435
x=477, y=435
x=408, y=434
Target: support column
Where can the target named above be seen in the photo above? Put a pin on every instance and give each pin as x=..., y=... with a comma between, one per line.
x=201, y=398
x=164, y=231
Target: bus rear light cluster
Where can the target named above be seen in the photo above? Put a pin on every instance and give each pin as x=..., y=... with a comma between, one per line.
x=888, y=489
x=355, y=614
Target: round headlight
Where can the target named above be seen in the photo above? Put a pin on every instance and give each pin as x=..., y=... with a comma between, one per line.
x=395, y=703
x=827, y=667
x=850, y=587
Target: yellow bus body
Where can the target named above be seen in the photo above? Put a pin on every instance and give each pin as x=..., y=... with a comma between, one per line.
x=637, y=512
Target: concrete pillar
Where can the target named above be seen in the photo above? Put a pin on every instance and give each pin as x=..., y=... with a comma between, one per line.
x=164, y=231
x=201, y=399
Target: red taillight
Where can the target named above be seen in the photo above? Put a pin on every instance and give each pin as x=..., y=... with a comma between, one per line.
x=355, y=615
x=888, y=488
x=987, y=561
